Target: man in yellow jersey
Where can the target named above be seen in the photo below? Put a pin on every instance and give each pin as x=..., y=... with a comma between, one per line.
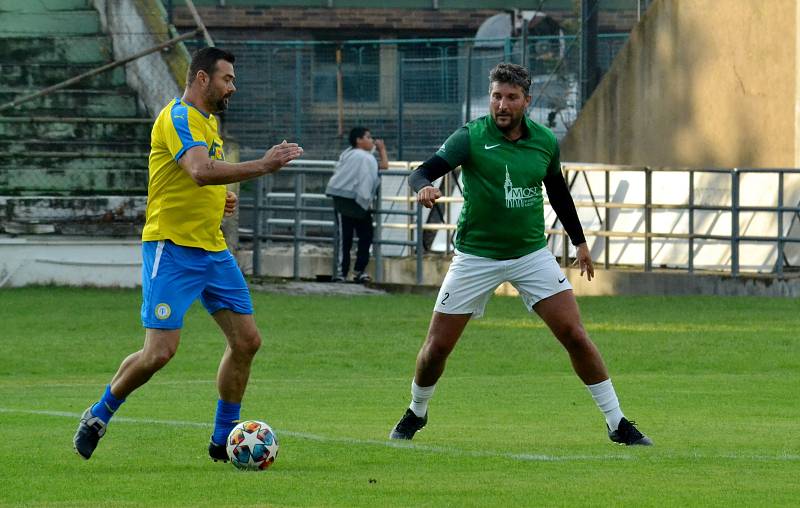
x=183, y=250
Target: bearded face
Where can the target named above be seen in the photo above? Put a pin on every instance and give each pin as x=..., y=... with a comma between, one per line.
x=220, y=87
x=507, y=104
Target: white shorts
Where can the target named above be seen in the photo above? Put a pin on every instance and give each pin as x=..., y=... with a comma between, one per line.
x=471, y=280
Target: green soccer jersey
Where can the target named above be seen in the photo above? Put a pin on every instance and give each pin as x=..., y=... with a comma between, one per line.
x=503, y=212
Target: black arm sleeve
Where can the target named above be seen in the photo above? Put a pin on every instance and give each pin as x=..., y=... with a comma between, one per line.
x=564, y=206
x=428, y=171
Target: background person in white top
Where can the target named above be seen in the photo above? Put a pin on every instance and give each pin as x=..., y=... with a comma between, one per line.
x=352, y=187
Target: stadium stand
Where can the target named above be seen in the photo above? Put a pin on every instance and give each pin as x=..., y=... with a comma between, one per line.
x=77, y=158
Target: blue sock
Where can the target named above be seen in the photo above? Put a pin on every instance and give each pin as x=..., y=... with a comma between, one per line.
x=107, y=406
x=226, y=419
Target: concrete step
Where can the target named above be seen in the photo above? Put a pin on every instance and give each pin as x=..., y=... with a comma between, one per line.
x=79, y=145
x=75, y=22
x=81, y=215
x=76, y=49
x=104, y=103
x=69, y=129
x=35, y=76
x=43, y=6
x=73, y=182
x=76, y=160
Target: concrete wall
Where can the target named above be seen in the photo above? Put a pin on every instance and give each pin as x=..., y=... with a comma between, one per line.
x=700, y=83
x=89, y=261
x=74, y=261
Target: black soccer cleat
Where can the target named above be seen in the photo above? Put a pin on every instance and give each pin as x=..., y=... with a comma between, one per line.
x=217, y=452
x=408, y=425
x=627, y=434
x=90, y=430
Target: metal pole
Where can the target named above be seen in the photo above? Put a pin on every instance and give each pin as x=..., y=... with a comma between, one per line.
x=99, y=70
x=378, y=231
x=298, y=92
x=199, y=22
x=735, y=222
x=524, y=58
x=564, y=235
x=468, y=87
x=589, y=74
x=298, y=202
x=399, y=105
x=648, y=219
x=257, y=218
x=779, y=266
x=420, y=246
x=298, y=223
x=691, y=221
x=607, y=215
x=339, y=91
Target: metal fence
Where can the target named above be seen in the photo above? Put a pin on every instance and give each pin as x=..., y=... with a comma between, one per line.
x=752, y=228
x=411, y=93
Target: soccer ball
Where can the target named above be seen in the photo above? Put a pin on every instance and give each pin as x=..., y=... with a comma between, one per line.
x=252, y=445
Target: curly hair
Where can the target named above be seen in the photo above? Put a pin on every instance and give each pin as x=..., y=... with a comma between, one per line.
x=511, y=74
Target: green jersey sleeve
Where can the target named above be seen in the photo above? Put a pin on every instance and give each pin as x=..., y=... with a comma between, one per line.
x=554, y=168
x=456, y=149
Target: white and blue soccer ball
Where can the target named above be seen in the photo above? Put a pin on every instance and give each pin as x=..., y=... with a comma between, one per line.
x=252, y=445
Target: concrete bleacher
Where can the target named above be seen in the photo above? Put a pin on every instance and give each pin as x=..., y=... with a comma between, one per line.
x=85, y=145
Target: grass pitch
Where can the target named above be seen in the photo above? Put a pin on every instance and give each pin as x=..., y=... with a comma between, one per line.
x=714, y=382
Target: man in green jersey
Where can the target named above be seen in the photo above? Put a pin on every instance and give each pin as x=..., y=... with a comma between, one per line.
x=505, y=159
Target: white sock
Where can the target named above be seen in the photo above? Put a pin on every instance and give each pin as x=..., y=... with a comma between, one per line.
x=606, y=399
x=420, y=395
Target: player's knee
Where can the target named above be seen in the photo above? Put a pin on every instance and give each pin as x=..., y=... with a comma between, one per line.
x=155, y=360
x=574, y=338
x=247, y=344
x=436, y=352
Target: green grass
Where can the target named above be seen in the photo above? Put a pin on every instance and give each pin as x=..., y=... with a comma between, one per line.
x=714, y=382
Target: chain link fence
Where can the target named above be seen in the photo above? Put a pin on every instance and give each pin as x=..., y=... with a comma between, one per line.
x=411, y=93
x=93, y=136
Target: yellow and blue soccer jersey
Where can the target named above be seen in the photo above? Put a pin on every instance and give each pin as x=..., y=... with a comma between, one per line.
x=177, y=208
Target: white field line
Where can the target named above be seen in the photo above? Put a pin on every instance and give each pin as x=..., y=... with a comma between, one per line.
x=527, y=457
x=347, y=441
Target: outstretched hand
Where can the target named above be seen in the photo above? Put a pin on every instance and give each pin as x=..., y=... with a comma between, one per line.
x=584, y=259
x=280, y=155
x=427, y=196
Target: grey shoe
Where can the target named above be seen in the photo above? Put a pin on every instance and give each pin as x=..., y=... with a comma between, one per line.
x=408, y=425
x=90, y=430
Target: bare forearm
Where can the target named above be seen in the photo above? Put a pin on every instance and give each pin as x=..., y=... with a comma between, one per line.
x=218, y=172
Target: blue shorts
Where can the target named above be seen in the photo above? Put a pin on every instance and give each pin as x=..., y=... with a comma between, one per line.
x=173, y=277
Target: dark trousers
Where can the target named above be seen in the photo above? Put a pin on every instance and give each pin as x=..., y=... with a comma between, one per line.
x=347, y=225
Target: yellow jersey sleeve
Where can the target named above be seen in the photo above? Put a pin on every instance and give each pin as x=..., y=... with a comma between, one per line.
x=177, y=208
x=186, y=129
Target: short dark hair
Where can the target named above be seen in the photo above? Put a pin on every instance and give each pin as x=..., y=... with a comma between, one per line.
x=205, y=59
x=511, y=74
x=355, y=133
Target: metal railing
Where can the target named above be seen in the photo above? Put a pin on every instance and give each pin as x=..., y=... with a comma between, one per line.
x=308, y=214
x=690, y=206
x=311, y=209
